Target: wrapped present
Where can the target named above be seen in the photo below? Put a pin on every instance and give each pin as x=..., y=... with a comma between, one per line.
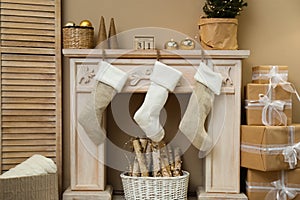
x=267, y=73
x=267, y=112
x=269, y=148
x=275, y=185
x=266, y=105
x=274, y=93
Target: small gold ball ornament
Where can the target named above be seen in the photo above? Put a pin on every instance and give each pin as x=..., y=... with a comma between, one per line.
x=70, y=23
x=187, y=44
x=85, y=23
x=171, y=45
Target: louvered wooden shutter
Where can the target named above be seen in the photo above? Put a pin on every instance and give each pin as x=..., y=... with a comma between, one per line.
x=30, y=81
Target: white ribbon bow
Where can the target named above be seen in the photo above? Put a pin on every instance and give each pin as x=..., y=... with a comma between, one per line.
x=291, y=155
x=280, y=192
x=276, y=79
x=270, y=106
x=274, y=76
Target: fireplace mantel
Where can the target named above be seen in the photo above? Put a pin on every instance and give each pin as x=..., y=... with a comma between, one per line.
x=144, y=54
x=222, y=165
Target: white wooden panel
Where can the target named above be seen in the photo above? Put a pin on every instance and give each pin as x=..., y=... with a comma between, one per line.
x=34, y=2
x=30, y=81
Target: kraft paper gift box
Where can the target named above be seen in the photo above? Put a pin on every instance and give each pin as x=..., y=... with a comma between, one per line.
x=263, y=74
x=270, y=148
x=275, y=108
x=40, y=187
x=253, y=91
x=276, y=185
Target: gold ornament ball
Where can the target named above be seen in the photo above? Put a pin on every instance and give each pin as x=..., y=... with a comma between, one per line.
x=70, y=23
x=86, y=23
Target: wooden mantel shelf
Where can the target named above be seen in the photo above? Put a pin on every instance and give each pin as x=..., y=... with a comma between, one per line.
x=183, y=60
x=131, y=53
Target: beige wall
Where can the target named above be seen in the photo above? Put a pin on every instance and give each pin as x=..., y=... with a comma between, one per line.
x=173, y=14
x=269, y=28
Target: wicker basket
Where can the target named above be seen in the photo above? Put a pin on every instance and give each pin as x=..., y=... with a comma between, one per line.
x=38, y=187
x=78, y=37
x=155, y=188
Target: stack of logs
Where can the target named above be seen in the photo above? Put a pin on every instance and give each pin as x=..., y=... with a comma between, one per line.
x=155, y=159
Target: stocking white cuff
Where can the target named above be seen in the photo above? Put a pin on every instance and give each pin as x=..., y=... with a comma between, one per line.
x=209, y=78
x=165, y=76
x=111, y=75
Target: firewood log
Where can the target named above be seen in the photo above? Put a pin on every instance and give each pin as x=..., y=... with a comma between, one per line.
x=140, y=157
x=156, y=160
x=136, y=168
x=148, y=156
x=144, y=143
x=177, y=170
x=171, y=157
x=166, y=169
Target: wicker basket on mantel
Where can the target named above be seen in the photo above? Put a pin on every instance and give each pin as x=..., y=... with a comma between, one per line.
x=78, y=37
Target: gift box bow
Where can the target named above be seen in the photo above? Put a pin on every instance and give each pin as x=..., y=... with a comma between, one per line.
x=276, y=79
x=281, y=192
x=292, y=154
x=269, y=106
x=277, y=189
x=274, y=75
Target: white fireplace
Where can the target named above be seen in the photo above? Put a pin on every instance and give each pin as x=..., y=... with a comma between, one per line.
x=220, y=169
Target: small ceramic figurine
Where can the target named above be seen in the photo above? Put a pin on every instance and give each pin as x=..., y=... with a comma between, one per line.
x=171, y=45
x=187, y=44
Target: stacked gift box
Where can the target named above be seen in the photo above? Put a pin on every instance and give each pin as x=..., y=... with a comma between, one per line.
x=270, y=143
